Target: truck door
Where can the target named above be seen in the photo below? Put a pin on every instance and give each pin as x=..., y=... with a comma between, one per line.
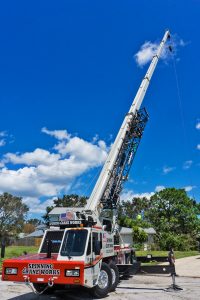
x=93, y=258
x=96, y=253
x=89, y=274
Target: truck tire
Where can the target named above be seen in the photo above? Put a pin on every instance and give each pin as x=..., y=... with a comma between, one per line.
x=39, y=287
x=115, y=276
x=104, y=282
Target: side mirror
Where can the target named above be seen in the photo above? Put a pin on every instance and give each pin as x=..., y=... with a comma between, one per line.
x=97, y=247
x=104, y=227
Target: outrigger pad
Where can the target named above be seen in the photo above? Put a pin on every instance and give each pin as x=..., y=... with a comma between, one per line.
x=173, y=288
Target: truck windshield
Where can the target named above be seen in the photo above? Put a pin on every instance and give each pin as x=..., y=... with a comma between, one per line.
x=74, y=243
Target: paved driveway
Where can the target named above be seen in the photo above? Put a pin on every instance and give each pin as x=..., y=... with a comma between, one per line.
x=188, y=266
x=138, y=287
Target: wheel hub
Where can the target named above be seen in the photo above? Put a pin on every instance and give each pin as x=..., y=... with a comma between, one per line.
x=103, y=279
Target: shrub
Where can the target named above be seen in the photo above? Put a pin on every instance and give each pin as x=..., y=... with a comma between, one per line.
x=180, y=242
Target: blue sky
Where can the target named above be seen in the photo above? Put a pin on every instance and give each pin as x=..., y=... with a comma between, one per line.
x=68, y=75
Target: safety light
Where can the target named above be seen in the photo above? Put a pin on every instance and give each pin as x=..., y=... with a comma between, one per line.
x=11, y=271
x=72, y=273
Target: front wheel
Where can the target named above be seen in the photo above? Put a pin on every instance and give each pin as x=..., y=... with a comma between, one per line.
x=115, y=276
x=104, y=282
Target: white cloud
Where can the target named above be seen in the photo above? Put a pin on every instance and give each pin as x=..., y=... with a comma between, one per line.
x=2, y=142
x=83, y=151
x=146, y=195
x=37, y=157
x=167, y=170
x=95, y=138
x=146, y=52
x=159, y=188
x=149, y=49
x=58, y=134
x=198, y=128
x=3, y=133
x=2, y=164
x=26, y=182
x=36, y=205
x=128, y=195
x=182, y=43
x=5, y=138
x=187, y=164
x=189, y=188
x=43, y=173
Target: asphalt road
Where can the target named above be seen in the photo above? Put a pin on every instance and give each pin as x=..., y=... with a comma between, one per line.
x=138, y=287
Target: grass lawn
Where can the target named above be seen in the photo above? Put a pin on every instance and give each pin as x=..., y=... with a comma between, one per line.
x=14, y=251
x=178, y=254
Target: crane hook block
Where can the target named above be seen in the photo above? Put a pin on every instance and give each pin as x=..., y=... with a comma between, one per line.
x=170, y=48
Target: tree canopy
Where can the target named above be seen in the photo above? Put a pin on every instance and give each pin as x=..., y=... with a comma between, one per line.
x=12, y=214
x=173, y=215
x=171, y=210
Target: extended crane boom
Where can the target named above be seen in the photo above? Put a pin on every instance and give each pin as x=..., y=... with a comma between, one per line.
x=120, y=157
x=85, y=246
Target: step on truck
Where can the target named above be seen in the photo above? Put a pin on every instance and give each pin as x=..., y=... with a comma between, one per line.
x=82, y=246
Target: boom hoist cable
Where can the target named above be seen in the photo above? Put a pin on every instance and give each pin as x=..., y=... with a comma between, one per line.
x=182, y=117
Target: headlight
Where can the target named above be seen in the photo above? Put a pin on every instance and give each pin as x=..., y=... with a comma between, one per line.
x=72, y=273
x=11, y=271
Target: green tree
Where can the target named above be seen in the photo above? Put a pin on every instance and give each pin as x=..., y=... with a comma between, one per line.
x=137, y=225
x=175, y=218
x=12, y=214
x=72, y=200
x=171, y=210
x=133, y=208
x=139, y=236
x=30, y=225
x=34, y=221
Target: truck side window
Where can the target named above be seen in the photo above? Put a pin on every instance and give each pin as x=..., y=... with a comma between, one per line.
x=96, y=244
x=101, y=240
x=94, y=238
x=89, y=246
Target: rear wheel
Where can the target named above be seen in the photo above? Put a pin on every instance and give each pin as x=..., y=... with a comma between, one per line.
x=104, y=282
x=115, y=276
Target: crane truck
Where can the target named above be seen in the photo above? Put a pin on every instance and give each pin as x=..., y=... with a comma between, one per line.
x=82, y=246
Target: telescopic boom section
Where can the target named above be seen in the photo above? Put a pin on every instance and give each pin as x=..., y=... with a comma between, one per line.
x=117, y=165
